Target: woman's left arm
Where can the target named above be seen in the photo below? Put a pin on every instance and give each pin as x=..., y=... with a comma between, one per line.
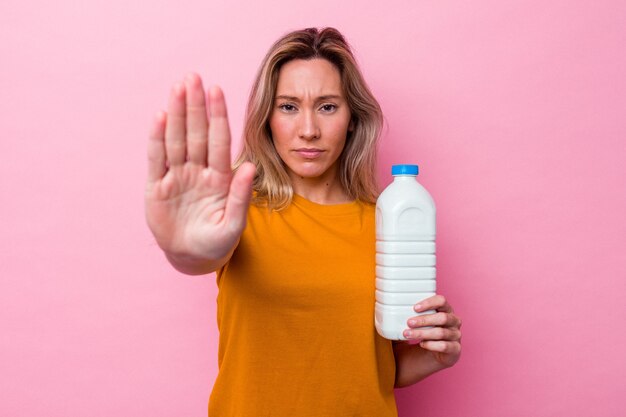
x=434, y=349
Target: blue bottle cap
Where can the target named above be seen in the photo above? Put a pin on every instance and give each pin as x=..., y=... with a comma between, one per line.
x=404, y=169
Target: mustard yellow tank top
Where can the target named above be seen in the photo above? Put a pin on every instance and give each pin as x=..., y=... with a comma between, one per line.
x=295, y=311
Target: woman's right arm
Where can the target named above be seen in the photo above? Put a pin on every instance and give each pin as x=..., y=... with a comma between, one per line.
x=195, y=206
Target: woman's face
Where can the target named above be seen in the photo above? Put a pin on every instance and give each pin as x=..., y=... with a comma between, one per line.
x=310, y=119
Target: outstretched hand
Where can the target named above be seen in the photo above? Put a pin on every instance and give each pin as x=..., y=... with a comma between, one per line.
x=195, y=206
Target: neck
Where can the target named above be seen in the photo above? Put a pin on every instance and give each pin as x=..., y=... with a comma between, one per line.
x=326, y=189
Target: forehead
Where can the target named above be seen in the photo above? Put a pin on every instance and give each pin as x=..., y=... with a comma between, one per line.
x=306, y=77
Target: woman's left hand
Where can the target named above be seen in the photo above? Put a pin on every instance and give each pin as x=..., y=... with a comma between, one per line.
x=443, y=340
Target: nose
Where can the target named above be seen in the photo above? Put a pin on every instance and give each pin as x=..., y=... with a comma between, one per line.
x=308, y=128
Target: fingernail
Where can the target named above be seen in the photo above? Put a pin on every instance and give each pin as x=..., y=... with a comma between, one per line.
x=407, y=334
x=412, y=322
x=417, y=307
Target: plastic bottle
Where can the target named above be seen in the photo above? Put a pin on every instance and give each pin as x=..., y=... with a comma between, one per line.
x=405, y=251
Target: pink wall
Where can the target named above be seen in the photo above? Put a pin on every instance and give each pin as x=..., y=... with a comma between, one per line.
x=514, y=109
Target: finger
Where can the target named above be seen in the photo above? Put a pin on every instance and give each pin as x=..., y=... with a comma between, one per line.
x=156, y=149
x=239, y=196
x=441, y=346
x=436, y=333
x=175, y=127
x=436, y=302
x=219, y=132
x=436, y=319
x=197, y=123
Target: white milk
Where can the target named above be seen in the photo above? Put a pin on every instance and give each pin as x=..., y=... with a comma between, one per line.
x=405, y=251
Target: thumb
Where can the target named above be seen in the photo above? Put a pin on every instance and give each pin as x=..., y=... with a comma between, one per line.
x=239, y=196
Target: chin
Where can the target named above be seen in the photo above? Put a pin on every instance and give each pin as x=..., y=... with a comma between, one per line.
x=309, y=171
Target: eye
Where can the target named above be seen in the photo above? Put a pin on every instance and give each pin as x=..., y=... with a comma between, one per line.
x=287, y=107
x=328, y=108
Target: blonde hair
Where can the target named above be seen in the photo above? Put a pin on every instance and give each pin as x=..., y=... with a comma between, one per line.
x=357, y=162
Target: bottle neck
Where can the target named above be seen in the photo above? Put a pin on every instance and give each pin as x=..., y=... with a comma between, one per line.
x=404, y=177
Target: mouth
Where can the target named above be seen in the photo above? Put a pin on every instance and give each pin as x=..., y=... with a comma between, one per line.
x=309, y=153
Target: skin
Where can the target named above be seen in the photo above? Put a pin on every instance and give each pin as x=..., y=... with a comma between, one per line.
x=196, y=208
x=428, y=350
x=309, y=122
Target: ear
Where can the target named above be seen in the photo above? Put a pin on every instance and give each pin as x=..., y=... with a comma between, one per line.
x=351, y=125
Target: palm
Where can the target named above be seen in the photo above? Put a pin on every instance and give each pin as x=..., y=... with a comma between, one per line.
x=186, y=206
x=445, y=359
x=194, y=204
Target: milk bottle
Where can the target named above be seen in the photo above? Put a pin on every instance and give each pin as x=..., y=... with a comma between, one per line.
x=405, y=251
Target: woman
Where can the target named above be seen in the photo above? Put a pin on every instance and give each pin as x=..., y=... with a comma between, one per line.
x=295, y=265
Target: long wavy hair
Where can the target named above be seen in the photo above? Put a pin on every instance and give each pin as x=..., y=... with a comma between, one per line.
x=357, y=162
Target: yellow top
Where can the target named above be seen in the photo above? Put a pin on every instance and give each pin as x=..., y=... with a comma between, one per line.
x=295, y=311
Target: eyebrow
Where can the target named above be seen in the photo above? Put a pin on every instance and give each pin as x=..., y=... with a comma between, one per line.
x=320, y=98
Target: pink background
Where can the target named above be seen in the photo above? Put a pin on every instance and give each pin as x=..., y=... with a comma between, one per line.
x=514, y=109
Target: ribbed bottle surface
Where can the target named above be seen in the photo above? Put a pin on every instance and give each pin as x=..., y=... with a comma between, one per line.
x=405, y=251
